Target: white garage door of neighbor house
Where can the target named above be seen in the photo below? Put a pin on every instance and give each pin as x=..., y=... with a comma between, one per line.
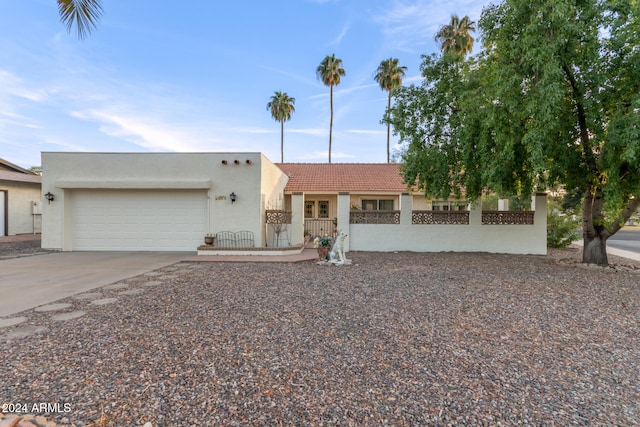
x=138, y=220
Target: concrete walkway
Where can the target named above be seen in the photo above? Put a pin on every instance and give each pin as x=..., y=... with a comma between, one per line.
x=307, y=254
x=32, y=281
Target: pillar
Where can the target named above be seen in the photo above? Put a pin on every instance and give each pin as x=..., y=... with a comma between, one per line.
x=297, y=218
x=344, y=209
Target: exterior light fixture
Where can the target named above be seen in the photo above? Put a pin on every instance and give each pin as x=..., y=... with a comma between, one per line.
x=233, y=197
x=49, y=197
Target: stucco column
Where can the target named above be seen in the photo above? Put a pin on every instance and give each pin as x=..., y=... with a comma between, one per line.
x=539, y=206
x=344, y=208
x=503, y=204
x=406, y=206
x=297, y=218
x=475, y=213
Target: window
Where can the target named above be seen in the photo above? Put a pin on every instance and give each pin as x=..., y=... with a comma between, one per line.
x=446, y=205
x=323, y=209
x=309, y=209
x=385, y=205
x=377, y=205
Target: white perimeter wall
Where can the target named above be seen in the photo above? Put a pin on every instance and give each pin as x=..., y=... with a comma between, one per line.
x=474, y=237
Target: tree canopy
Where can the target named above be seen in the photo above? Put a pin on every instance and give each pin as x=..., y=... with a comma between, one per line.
x=552, y=98
x=281, y=107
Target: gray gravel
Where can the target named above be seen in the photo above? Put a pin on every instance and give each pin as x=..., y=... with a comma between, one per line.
x=20, y=245
x=393, y=339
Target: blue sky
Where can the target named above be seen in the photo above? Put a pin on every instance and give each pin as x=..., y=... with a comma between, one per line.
x=196, y=76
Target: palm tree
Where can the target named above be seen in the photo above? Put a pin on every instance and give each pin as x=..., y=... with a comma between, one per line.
x=389, y=76
x=281, y=107
x=329, y=71
x=454, y=38
x=84, y=14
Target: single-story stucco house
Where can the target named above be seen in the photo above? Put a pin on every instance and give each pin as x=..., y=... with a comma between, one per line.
x=20, y=200
x=171, y=201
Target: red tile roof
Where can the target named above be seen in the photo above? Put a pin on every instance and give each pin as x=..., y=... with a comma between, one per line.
x=343, y=177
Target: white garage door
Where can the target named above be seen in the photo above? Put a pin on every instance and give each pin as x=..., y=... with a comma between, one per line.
x=138, y=220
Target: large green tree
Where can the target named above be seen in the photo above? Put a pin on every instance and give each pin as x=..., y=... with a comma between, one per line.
x=553, y=98
x=330, y=72
x=389, y=75
x=281, y=107
x=83, y=14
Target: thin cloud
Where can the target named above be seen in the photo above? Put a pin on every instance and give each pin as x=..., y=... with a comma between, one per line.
x=306, y=80
x=310, y=131
x=340, y=36
x=147, y=132
x=366, y=131
x=410, y=25
x=253, y=130
x=13, y=85
x=339, y=92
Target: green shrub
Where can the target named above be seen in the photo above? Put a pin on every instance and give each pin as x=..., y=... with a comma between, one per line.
x=562, y=227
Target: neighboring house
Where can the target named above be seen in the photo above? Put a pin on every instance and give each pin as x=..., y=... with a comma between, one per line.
x=20, y=200
x=170, y=201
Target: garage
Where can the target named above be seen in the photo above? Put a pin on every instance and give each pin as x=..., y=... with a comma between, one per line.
x=138, y=220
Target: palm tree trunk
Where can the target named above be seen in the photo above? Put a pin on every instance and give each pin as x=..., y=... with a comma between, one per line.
x=331, y=119
x=388, y=128
x=281, y=141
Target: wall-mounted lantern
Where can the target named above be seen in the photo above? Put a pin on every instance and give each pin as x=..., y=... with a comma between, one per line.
x=233, y=197
x=49, y=197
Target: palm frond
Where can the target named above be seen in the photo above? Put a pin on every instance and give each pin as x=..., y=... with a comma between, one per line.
x=84, y=14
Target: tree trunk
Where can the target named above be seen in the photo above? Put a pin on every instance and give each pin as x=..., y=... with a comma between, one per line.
x=388, y=127
x=594, y=232
x=281, y=141
x=331, y=119
x=595, y=250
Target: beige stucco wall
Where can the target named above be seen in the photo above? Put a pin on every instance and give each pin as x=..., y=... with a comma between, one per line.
x=272, y=193
x=219, y=174
x=20, y=198
x=474, y=237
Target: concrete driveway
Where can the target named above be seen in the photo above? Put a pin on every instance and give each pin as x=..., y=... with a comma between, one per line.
x=29, y=282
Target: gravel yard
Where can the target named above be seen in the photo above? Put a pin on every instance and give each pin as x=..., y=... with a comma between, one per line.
x=20, y=245
x=393, y=339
